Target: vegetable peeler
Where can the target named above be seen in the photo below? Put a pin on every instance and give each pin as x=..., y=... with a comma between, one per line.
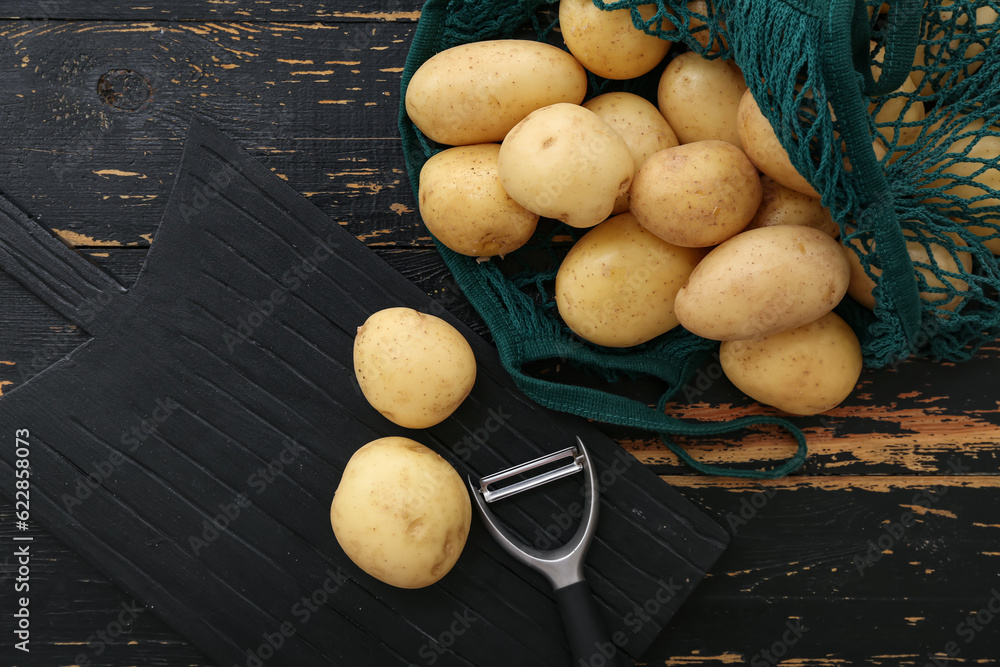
x=563, y=566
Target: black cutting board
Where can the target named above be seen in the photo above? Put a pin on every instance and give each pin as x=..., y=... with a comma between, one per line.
x=191, y=448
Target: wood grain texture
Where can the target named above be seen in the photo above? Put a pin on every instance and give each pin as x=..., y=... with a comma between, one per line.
x=317, y=103
x=173, y=336
x=310, y=88
x=881, y=570
x=794, y=556
x=215, y=10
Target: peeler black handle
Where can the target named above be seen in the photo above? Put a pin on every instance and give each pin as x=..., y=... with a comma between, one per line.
x=589, y=641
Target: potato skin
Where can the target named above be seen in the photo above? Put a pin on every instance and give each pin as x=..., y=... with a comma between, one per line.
x=639, y=123
x=564, y=162
x=699, y=29
x=414, y=368
x=805, y=370
x=982, y=154
x=464, y=206
x=862, y=286
x=617, y=284
x=475, y=93
x=763, y=281
x=762, y=146
x=696, y=195
x=783, y=206
x=401, y=512
x=700, y=98
x=607, y=43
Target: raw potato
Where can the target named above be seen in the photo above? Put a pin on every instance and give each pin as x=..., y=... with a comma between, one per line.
x=763, y=281
x=639, y=123
x=783, y=206
x=564, y=162
x=976, y=159
x=607, y=43
x=976, y=38
x=900, y=109
x=763, y=148
x=899, y=106
x=806, y=370
x=414, y=368
x=465, y=207
x=475, y=93
x=401, y=512
x=862, y=286
x=699, y=29
x=617, y=284
x=700, y=98
x=696, y=195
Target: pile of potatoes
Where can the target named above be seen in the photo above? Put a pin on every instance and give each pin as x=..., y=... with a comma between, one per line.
x=696, y=215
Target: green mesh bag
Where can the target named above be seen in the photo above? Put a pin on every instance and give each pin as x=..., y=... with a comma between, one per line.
x=832, y=77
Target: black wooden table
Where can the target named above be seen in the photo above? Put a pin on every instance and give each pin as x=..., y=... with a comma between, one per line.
x=884, y=549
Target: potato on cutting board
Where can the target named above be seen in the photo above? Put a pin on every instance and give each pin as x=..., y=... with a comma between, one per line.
x=414, y=368
x=401, y=512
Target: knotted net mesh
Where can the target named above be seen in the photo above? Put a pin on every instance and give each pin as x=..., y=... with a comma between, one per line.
x=910, y=175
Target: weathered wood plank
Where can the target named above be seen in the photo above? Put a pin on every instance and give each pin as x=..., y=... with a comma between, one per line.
x=214, y=10
x=33, y=336
x=100, y=109
x=101, y=173
x=878, y=571
x=916, y=418
x=881, y=570
x=895, y=423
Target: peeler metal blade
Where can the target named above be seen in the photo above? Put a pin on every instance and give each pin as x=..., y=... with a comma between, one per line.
x=492, y=495
x=563, y=565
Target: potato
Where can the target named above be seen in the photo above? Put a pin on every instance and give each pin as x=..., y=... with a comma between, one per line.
x=762, y=146
x=975, y=39
x=617, y=284
x=783, y=206
x=862, y=286
x=639, y=123
x=763, y=281
x=976, y=159
x=700, y=98
x=414, y=368
x=900, y=105
x=401, y=512
x=696, y=195
x=464, y=206
x=475, y=93
x=564, y=162
x=699, y=29
x=899, y=109
x=607, y=43
x=806, y=370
